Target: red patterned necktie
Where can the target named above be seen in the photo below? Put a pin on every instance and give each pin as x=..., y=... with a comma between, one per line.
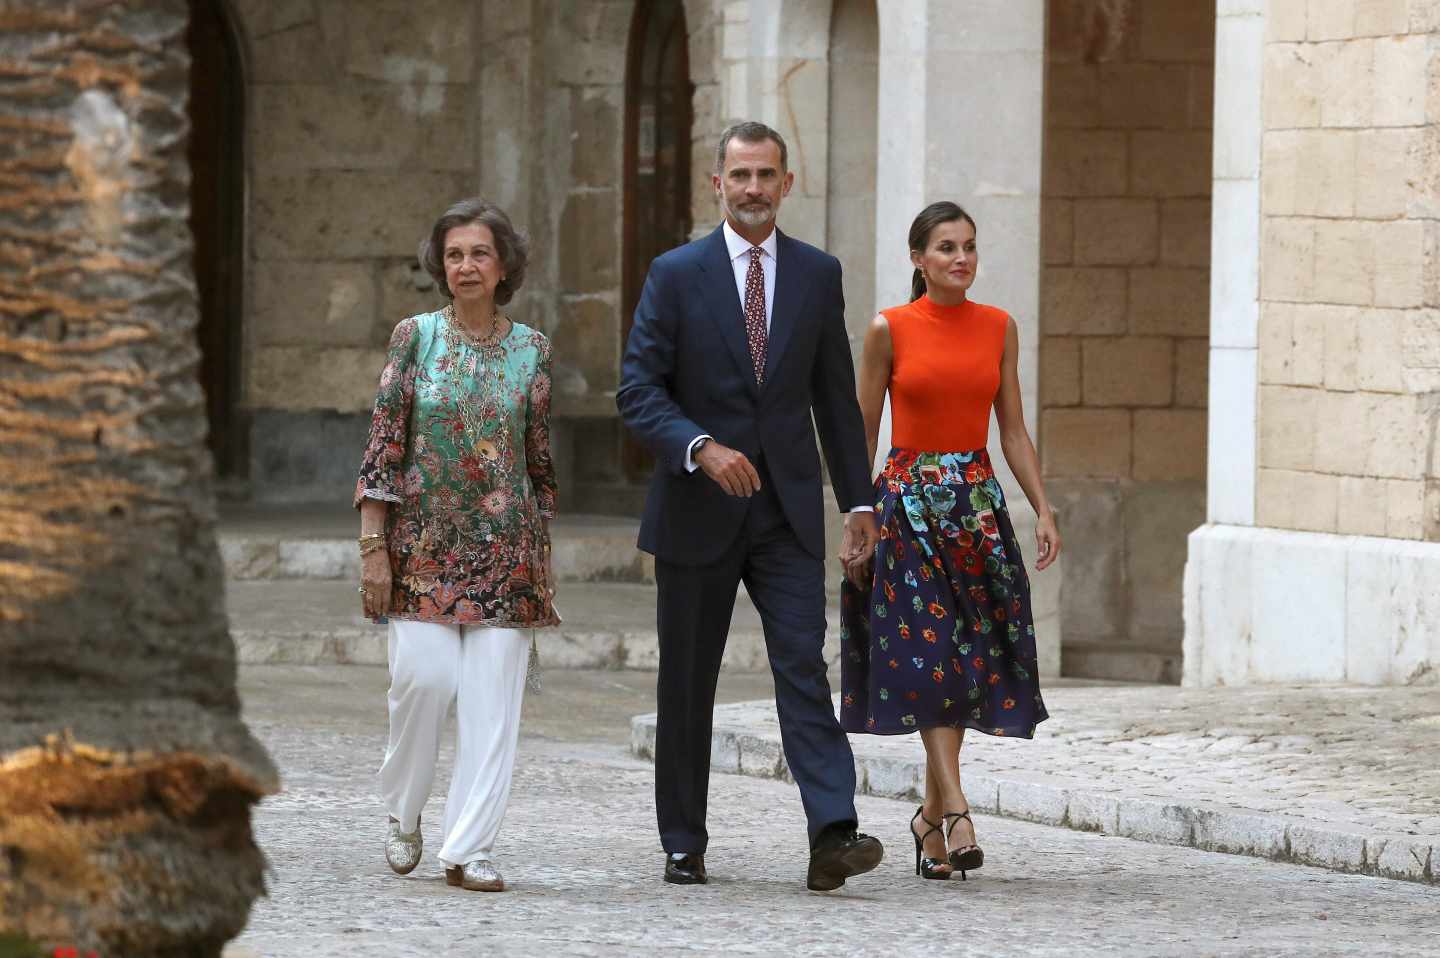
x=755, y=312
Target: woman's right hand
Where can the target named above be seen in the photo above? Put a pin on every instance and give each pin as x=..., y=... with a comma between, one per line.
x=375, y=580
x=861, y=572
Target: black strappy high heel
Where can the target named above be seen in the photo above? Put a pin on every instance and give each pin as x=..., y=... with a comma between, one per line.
x=971, y=857
x=927, y=867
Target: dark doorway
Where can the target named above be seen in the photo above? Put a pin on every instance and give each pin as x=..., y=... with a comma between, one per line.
x=217, y=199
x=658, y=121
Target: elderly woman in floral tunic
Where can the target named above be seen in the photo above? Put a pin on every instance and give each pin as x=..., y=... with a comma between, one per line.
x=456, y=494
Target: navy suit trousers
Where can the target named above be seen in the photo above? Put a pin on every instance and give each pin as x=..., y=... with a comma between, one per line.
x=787, y=585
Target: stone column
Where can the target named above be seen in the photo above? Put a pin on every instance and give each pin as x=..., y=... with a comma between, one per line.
x=854, y=131
x=788, y=79
x=1322, y=556
x=962, y=116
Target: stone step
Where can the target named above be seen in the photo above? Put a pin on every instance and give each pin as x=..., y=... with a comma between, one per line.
x=607, y=626
x=311, y=541
x=1123, y=661
x=318, y=542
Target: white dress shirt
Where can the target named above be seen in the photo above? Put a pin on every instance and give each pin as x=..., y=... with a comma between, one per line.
x=739, y=249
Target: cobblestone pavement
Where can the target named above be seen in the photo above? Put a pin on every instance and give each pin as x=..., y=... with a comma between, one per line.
x=1341, y=777
x=581, y=857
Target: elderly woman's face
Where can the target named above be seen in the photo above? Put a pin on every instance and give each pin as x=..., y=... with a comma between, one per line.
x=472, y=264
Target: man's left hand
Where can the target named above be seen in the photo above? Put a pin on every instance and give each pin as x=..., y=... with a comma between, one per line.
x=857, y=547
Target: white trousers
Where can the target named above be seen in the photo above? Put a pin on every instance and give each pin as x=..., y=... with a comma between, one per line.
x=481, y=670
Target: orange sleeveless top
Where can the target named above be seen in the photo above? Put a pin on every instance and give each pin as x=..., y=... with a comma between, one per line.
x=944, y=373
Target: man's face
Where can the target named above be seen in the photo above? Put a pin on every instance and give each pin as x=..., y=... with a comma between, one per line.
x=753, y=182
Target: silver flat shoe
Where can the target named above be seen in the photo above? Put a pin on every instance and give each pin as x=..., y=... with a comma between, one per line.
x=479, y=875
x=402, y=851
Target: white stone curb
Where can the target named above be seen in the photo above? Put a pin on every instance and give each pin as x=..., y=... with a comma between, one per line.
x=1068, y=803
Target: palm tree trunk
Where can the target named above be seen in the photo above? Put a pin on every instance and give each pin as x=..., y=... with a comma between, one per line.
x=126, y=775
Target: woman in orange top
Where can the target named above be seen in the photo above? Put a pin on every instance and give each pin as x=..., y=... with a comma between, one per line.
x=936, y=632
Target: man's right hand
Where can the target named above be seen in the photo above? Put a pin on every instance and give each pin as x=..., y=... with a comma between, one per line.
x=729, y=468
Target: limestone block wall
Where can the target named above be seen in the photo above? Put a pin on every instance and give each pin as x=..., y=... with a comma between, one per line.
x=361, y=127
x=364, y=121
x=1324, y=569
x=575, y=150
x=1349, y=343
x=1125, y=307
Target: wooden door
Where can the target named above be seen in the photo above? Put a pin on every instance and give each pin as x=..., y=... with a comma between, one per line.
x=217, y=203
x=658, y=121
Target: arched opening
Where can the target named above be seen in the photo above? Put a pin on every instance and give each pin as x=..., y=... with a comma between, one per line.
x=658, y=120
x=854, y=106
x=217, y=197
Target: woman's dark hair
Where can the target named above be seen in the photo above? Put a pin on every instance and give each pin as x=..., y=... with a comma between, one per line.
x=511, y=245
x=929, y=218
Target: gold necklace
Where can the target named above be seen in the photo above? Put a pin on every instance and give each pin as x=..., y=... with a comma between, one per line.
x=490, y=339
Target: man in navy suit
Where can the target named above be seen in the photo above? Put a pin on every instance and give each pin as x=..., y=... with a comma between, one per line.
x=738, y=339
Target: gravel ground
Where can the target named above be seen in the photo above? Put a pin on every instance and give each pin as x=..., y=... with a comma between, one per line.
x=583, y=863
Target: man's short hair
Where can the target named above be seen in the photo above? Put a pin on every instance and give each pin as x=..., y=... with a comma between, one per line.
x=750, y=131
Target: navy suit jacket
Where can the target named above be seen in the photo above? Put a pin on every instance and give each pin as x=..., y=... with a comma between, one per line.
x=687, y=371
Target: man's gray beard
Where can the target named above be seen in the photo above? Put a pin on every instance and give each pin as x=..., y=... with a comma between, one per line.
x=752, y=217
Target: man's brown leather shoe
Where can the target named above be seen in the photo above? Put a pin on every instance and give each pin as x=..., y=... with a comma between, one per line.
x=685, y=869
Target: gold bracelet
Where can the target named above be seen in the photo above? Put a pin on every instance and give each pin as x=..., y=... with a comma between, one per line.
x=372, y=546
x=370, y=537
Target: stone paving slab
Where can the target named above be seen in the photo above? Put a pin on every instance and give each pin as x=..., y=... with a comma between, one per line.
x=1344, y=778
x=608, y=625
x=581, y=857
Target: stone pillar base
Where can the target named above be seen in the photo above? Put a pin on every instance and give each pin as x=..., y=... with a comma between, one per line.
x=1270, y=605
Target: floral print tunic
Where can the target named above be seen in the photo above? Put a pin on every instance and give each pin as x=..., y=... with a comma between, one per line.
x=460, y=448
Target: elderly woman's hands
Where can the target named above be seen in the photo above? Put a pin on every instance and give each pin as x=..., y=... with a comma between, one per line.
x=375, y=582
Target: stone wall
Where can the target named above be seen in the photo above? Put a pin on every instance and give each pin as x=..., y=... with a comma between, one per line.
x=1349, y=347
x=1125, y=310
x=1325, y=567
x=572, y=143
x=364, y=121
x=361, y=129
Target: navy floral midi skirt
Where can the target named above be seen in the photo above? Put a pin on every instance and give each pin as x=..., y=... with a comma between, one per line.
x=945, y=637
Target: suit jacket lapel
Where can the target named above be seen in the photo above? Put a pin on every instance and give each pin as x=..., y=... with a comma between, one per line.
x=723, y=302
x=790, y=288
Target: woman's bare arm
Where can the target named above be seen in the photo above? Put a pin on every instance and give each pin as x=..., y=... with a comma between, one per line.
x=874, y=380
x=1020, y=452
